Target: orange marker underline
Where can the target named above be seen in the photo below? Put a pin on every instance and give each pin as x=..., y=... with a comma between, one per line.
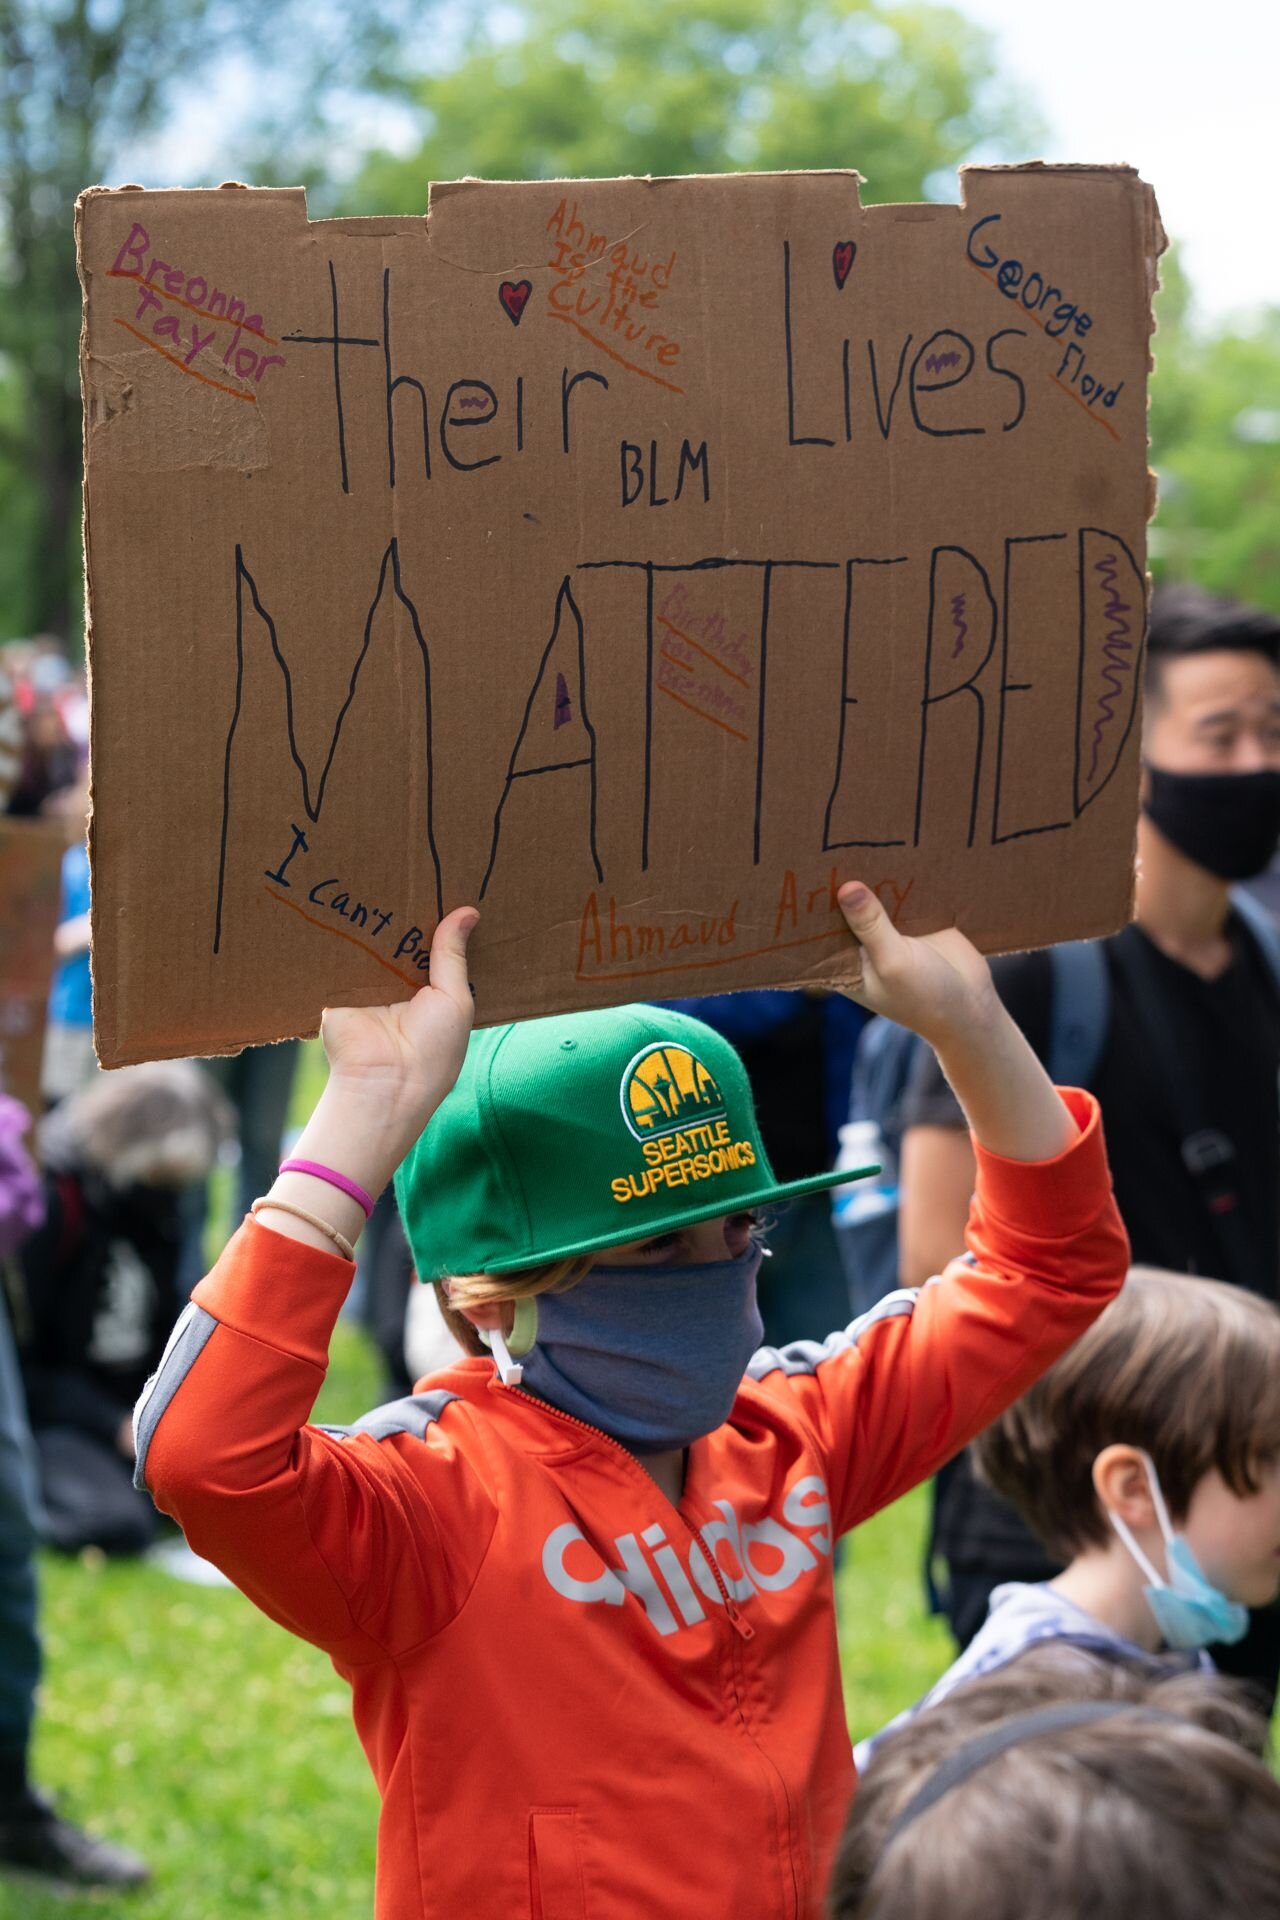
x=700, y=710
x=341, y=934
x=1081, y=403
x=614, y=355
x=182, y=367
x=675, y=660
x=691, y=642
x=118, y=273
x=690, y=966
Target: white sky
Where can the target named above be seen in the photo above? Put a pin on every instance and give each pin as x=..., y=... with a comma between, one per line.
x=1186, y=93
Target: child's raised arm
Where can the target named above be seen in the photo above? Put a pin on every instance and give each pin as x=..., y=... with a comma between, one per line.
x=389, y=1069
x=331, y=1536
x=899, y=1391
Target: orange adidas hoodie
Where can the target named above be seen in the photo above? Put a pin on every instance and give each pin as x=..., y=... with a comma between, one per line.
x=580, y=1702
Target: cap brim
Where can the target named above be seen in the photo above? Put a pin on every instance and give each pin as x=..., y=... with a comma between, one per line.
x=687, y=1216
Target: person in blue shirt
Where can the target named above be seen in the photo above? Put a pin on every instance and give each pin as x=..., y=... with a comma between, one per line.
x=69, y=1060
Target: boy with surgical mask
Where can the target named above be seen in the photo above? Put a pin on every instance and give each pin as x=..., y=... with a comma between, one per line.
x=580, y=1583
x=1148, y=1460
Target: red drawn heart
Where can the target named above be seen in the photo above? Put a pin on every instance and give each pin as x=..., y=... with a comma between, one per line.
x=514, y=295
x=842, y=259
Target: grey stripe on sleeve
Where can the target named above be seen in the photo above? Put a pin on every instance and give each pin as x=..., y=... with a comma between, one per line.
x=414, y=1414
x=185, y=1344
x=806, y=1356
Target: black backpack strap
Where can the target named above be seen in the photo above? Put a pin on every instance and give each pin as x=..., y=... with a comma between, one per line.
x=1208, y=1154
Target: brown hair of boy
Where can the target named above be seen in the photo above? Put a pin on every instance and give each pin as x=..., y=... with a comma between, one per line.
x=1187, y=1369
x=1133, y=1818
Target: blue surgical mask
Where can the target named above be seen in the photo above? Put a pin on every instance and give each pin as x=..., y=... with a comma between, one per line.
x=1189, y=1610
x=652, y=1356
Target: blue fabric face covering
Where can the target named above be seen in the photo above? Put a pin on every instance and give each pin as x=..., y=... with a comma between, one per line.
x=652, y=1356
x=1189, y=1610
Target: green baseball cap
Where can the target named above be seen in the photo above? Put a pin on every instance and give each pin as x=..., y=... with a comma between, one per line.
x=580, y=1132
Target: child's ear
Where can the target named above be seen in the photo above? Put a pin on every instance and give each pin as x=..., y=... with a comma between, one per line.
x=1121, y=1484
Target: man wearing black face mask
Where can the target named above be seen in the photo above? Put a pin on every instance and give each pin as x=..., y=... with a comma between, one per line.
x=1179, y=1025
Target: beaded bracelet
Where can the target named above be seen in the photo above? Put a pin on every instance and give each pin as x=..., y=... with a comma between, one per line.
x=339, y=1240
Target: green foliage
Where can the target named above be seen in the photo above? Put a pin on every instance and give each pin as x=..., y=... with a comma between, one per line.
x=81, y=85
x=655, y=86
x=1215, y=427
x=73, y=80
x=18, y=517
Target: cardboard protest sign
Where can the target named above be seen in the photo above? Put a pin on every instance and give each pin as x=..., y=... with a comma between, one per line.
x=30, y=884
x=637, y=559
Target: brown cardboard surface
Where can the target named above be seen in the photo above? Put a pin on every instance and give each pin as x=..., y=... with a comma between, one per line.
x=30, y=884
x=637, y=559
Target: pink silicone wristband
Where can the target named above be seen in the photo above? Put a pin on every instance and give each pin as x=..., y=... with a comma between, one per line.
x=338, y=1180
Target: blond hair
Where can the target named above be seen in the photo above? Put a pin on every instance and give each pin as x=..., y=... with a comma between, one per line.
x=456, y=1292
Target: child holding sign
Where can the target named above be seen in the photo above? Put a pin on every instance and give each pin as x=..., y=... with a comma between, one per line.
x=582, y=1588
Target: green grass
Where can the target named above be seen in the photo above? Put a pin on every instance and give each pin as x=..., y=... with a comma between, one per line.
x=184, y=1724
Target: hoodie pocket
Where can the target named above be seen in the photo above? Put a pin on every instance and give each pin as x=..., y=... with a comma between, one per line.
x=555, y=1865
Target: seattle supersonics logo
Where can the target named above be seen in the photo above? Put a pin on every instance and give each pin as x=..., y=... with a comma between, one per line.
x=674, y=1107
x=666, y=1089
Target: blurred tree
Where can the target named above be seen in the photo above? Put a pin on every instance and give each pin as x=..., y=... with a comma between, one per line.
x=553, y=88
x=1215, y=431
x=81, y=83
x=17, y=510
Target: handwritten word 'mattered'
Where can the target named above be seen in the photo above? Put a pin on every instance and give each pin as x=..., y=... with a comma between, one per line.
x=1009, y=755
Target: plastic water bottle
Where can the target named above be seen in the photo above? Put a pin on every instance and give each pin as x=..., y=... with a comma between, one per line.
x=862, y=1145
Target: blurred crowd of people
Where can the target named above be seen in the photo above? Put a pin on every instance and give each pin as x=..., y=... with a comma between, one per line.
x=1175, y=1025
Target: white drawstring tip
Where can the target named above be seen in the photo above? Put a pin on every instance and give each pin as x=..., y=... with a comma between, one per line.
x=510, y=1372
